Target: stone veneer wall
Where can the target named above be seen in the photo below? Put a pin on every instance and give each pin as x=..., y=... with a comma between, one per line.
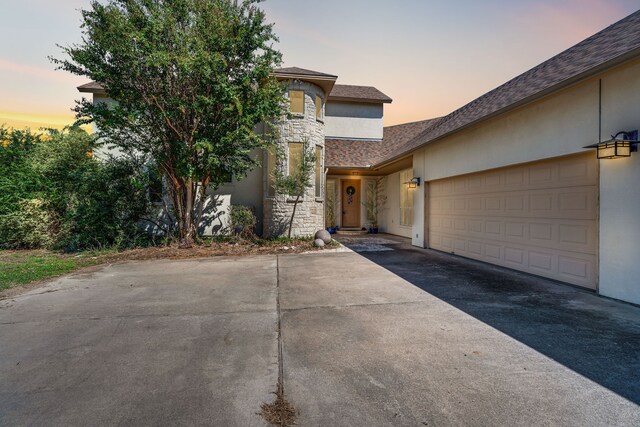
x=310, y=211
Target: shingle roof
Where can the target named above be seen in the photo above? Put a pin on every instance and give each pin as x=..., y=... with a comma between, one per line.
x=357, y=93
x=91, y=87
x=302, y=72
x=609, y=47
x=357, y=153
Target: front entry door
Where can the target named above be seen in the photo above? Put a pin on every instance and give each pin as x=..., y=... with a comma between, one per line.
x=351, y=203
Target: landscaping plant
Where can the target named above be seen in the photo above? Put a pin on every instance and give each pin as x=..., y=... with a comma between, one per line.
x=192, y=79
x=295, y=183
x=55, y=194
x=243, y=221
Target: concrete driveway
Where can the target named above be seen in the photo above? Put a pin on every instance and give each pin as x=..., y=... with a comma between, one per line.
x=387, y=336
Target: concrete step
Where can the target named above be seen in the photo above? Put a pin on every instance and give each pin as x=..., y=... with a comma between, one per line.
x=351, y=232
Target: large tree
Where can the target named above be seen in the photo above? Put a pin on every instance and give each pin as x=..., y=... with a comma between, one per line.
x=192, y=79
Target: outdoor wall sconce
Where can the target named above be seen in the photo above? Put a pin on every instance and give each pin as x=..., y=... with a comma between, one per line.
x=413, y=182
x=620, y=145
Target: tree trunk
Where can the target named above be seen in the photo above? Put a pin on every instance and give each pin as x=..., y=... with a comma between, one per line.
x=186, y=231
x=295, y=205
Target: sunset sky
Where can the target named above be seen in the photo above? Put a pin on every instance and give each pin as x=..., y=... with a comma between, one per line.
x=431, y=57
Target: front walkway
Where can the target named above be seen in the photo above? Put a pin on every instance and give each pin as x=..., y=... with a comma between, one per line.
x=196, y=342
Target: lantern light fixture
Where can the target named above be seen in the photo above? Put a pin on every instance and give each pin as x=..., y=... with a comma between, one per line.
x=620, y=145
x=413, y=182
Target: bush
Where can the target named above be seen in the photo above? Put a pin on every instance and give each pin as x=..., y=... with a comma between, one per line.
x=55, y=194
x=243, y=221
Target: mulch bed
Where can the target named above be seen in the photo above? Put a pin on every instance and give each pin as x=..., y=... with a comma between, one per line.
x=213, y=249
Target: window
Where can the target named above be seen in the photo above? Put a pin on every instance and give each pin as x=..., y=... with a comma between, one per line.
x=271, y=167
x=296, y=101
x=319, y=171
x=406, y=198
x=318, y=108
x=295, y=156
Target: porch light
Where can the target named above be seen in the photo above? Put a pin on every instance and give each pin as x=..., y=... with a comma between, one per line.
x=413, y=182
x=620, y=145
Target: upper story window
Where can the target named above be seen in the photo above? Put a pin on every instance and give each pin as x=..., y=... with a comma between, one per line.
x=296, y=101
x=318, y=108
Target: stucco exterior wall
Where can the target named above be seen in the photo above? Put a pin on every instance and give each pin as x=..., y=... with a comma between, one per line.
x=246, y=192
x=353, y=120
x=620, y=189
x=390, y=213
x=558, y=125
x=309, y=215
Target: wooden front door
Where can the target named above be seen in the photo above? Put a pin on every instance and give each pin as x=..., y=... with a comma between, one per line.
x=351, y=203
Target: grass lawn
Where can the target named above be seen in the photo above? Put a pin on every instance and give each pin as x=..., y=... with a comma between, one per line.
x=22, y=267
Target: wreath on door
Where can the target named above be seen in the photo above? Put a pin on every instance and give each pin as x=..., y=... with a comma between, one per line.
x=351, y=190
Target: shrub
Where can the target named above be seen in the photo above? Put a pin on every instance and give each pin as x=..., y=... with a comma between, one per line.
x=29, y=225
x=55, y=194
x=243, y=221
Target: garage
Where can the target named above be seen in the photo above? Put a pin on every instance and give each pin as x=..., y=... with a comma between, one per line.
x=540, y=217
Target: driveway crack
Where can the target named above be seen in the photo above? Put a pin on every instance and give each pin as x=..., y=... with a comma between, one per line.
x=280, y=412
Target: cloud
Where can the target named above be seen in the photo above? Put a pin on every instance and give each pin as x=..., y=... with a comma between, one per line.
x=37, y=72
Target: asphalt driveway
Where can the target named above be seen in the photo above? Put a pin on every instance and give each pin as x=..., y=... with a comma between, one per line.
x=388, y=335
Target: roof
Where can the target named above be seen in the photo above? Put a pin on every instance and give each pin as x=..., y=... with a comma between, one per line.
x=609, y=47
x=289, y=72
x=91, y=87
x=296, y=71
x=358, y=153
x=358, y=94
x=322, y=80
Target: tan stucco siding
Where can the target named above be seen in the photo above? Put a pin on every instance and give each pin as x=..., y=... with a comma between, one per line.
x=620, y=189
x=351, y=120
x=558, y=125
x=246, y=192
x=390, y=213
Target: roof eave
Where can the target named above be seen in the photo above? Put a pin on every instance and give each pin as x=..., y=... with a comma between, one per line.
x=619, y=60
x=100, y=91
x=363, y=100
x=349, y=167
x=324, y=82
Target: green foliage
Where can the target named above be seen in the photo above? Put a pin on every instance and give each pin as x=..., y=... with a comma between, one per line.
x=295, y=183
x=243, y=221
x=376, y=199
x=330, y=209
x=55, y=194
x=192, y=80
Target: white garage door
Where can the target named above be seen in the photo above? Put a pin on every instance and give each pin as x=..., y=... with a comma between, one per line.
x=541, y=217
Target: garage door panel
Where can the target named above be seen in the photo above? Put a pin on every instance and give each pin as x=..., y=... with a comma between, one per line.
x=570, y=267
x=580, y=202
x=571, y=236
x=540, y=218
x=570, y=172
